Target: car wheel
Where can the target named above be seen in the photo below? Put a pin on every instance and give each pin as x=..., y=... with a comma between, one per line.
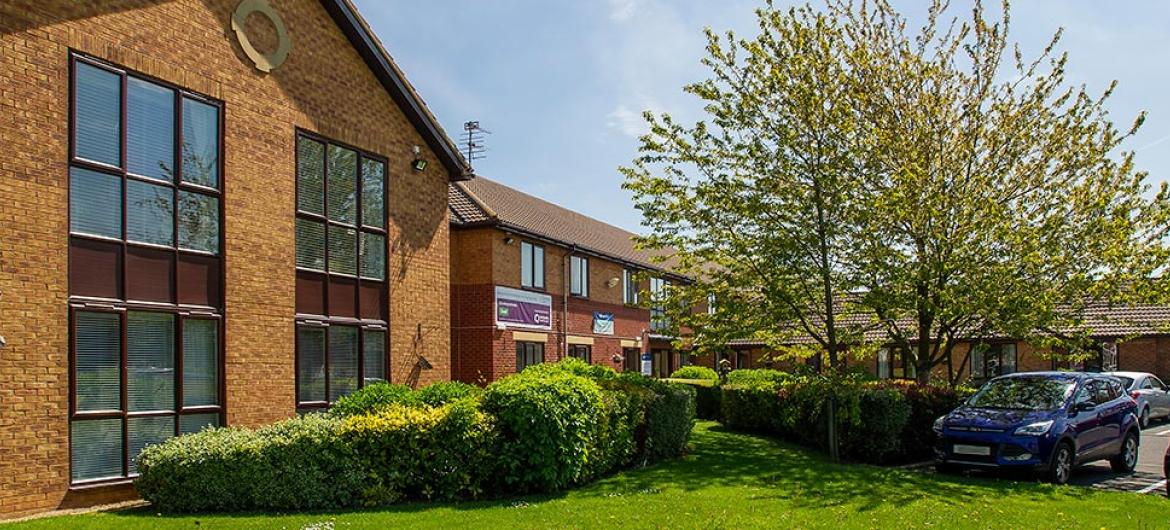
x=945, y=468
x=1061, y=465
x=1127, y=460
x=1144, y=419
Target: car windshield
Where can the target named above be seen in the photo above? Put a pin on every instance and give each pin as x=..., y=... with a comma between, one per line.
x=1025, y=393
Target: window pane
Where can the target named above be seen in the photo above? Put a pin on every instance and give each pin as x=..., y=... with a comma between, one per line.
x=373, y=256
x=342, y=250
x=149, y=213
x=342, y=185
x=96, y=448
x=98, y=131
x=310, y=245
x=538, y=267
x=525, y=265
x=343, y=361
x=98, y=338
x=200, y=143
x=95, y=203
x=150, y=361
x=374, y=353
x=148, y=431
x=198, y=221
x=373, y=193
x=190, y=423
x=310, y=176
x=310, y=364
x=150, y=130
x=200, y=362
x=1009, y=359
x=575, y=275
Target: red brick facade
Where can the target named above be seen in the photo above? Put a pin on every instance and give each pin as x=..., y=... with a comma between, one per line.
x=486, y=257
x=325, y=87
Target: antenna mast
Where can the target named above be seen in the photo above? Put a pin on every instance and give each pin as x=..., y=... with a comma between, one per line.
x=474, y=145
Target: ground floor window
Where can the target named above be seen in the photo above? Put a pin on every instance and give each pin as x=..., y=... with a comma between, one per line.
x=660, y=363
x=742, y=361
x=139, y=378
x=990, y=360
x=581, y=351
x=336, y=359
x=895, y=363
x=633, y=359
x=528, y=354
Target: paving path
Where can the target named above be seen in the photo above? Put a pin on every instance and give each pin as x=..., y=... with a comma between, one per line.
x=1147, y=478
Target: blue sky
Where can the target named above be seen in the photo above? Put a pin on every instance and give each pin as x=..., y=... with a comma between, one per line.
x=562, y=83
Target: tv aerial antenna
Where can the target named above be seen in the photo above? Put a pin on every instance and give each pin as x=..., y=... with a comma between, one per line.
x=474, y=141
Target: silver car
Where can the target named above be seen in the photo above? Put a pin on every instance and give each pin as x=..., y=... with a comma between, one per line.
x=1151, y=394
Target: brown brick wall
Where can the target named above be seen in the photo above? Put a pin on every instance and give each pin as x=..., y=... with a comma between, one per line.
x=323, y=87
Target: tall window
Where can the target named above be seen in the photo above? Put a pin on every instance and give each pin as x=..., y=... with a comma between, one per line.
x=581, y=351
x=629, y=286
x=145, y=271
x=895, y=363
x=528, y=354
x=658, y=292
x=579, y=276
x=342, y=299
x=990, y=360
x=531, y=265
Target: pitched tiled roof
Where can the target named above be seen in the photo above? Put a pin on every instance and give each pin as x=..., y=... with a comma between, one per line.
x=484, y=201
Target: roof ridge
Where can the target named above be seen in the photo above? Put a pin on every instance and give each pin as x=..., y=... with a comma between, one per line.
x=546, y=201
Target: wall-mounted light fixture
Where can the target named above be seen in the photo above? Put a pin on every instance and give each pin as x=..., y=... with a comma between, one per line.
x=612, y=282
x=419, y=162
x=424, y=364
x=508, y=240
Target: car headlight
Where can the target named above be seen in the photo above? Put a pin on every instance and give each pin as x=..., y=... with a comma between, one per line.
x=1035, y=429
x=938, y=424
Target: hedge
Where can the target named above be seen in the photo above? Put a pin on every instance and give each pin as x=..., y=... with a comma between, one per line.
x=695, y=372
x=542, y=430
x=708, y=397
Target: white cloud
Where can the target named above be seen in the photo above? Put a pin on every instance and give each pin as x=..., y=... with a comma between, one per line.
x=626, y=121
x=622, y=10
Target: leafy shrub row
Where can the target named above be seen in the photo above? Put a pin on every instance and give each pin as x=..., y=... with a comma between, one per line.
x=695, y=372
x=548, y=428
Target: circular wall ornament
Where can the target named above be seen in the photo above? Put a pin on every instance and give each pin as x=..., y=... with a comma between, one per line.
x=264, y=62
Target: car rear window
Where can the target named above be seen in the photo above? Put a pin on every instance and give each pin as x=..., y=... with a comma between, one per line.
x=1026, y=393
x=1126, y=382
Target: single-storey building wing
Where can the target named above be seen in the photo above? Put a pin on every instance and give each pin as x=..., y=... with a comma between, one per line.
x=212, y=212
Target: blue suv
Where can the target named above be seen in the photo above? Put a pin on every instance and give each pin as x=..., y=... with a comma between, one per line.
x=1045, y=421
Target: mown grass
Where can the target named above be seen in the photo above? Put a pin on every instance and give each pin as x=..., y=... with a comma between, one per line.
x=729, y=480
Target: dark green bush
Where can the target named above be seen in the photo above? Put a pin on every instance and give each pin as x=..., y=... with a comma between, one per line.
x=422, y=452
x=695, y=372
x=927, y=403
x=373, y=397
x=750, y=407
x=876, y=436
x=445, y=392
x=708, y=397
x=572, y=365
x=547, y=421
x=623, y=416
x=297, y=464
x=670, y=416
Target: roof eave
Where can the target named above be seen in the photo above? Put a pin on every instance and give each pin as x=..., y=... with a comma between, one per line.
x=346, y=17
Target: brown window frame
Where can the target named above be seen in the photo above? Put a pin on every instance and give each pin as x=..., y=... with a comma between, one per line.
x=359, y=226
x=121, y=304
x=523, y=348
x=581, y=351
x=533, y=285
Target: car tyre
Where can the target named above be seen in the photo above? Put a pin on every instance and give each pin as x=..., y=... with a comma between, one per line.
x=1061, y=465
x=1125, y=461
x=1144, y=418
x=944, y=468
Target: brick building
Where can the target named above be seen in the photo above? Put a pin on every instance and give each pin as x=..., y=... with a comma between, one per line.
x=1135, y=338
x=211, y=212
x=533, y=282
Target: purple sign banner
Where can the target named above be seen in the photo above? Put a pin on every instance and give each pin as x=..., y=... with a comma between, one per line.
x=523, y=308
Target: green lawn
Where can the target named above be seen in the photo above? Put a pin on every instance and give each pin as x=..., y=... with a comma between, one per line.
x=728, y=481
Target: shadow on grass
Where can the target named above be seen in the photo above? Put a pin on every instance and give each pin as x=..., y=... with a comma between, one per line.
x=722, y=458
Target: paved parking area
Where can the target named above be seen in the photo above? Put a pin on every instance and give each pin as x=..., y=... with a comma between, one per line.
x=1147, y=478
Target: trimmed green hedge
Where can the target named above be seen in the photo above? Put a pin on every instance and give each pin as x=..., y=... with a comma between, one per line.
x=543, y=430
x=695, y=372
x=708, y=397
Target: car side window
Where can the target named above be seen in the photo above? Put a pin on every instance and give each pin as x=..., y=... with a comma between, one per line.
x=1146, y=384
x=1115, y=390
x=1085, y=394
x=1100, y=391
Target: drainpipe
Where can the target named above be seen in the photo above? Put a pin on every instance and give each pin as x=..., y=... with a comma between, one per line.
x=566, y=285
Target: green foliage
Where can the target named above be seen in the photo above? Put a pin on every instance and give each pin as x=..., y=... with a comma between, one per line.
x=927, y=403
x=670, y=416
x=623, y=414
x=750, y=407
x=760, y=375
x=695, y=372
x=445, y=392
x=372, y=398
x=572, y=365
x=708, y=397
x=297, y=464
x=422, y=452
x=548, y=419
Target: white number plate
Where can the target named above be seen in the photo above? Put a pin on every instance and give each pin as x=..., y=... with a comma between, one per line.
x=979, y=450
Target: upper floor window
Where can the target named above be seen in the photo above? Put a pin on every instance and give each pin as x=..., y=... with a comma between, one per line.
x=629, y=286
x=658, y=294
x=531, y=265
x=579, y=276
x=145, y=180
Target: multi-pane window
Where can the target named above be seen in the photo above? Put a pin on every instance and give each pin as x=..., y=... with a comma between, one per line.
x=531, y=265
x=145, y=270
x=633, y=359
x=895, y=363
x=990, y=360
x=528, y=354
x=658, y=293
x=579, y=276
x=581, y=351
x=342, y=300
x=629, y=286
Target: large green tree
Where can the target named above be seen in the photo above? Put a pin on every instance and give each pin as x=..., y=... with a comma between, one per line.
x=932, y=184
